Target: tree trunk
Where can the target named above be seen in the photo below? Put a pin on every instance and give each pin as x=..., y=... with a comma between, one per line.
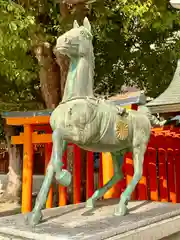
x=13, y=185
x=50, y=78
x=63, y=63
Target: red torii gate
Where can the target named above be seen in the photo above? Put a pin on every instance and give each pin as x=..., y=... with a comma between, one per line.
x=33, y=123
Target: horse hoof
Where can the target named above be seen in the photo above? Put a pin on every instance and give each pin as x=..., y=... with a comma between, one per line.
x=33, y=218
x=121, y=211
x=89, y=204
x=64, y=178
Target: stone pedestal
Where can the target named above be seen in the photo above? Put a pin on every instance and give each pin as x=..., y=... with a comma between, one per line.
x=146, y=220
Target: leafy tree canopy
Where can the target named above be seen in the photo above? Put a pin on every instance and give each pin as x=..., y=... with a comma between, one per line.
x=16, y=62
x=135, y=42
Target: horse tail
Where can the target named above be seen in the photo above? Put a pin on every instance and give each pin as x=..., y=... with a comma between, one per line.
x=155, y=122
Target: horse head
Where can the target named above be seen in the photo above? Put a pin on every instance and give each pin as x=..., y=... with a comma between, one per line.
x=76, y=42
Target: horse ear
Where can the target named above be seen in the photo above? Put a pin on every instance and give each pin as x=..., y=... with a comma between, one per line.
x=75, y=24
x=87, y=24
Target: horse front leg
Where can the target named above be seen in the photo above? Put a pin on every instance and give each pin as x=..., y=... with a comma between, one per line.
x=118, y=175
x=59, y=146
x=138, y=159
x=54, y=167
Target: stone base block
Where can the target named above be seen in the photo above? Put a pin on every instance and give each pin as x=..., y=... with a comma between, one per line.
x=146, y=221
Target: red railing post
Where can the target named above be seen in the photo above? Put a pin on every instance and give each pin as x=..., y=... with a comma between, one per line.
x=152, y=172
x=89, y=175
x=142, y=187
x=177, y=174
x=100, y=172
x=171, y=175
x=163, y=191
x=77, y=175
x=48, y=150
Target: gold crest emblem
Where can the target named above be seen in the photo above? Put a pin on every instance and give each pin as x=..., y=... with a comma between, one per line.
x=122, y=130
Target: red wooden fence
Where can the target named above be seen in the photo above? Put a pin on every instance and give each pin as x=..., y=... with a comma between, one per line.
x=161, y=171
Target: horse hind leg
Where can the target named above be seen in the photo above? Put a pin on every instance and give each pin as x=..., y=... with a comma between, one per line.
x=138, y=159
x=118, y=175
x=54, y=167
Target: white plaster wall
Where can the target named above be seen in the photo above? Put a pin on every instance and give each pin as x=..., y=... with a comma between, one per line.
x=37, y=181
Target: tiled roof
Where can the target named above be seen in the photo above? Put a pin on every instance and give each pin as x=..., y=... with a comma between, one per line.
x=166, y=108
x=128, y=98
x=171, y=95
x=26, y=114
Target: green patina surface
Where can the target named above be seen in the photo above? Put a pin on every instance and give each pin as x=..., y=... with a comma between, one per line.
x=93, y=124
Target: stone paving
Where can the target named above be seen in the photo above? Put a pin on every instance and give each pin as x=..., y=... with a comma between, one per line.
x=76, y=222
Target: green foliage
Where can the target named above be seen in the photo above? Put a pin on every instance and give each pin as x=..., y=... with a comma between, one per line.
x=16, y=27
x=135, y=44
x=134, y=41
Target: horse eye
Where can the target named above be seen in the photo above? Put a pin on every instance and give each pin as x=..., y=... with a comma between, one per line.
x=67, y=40
x=85, y=35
